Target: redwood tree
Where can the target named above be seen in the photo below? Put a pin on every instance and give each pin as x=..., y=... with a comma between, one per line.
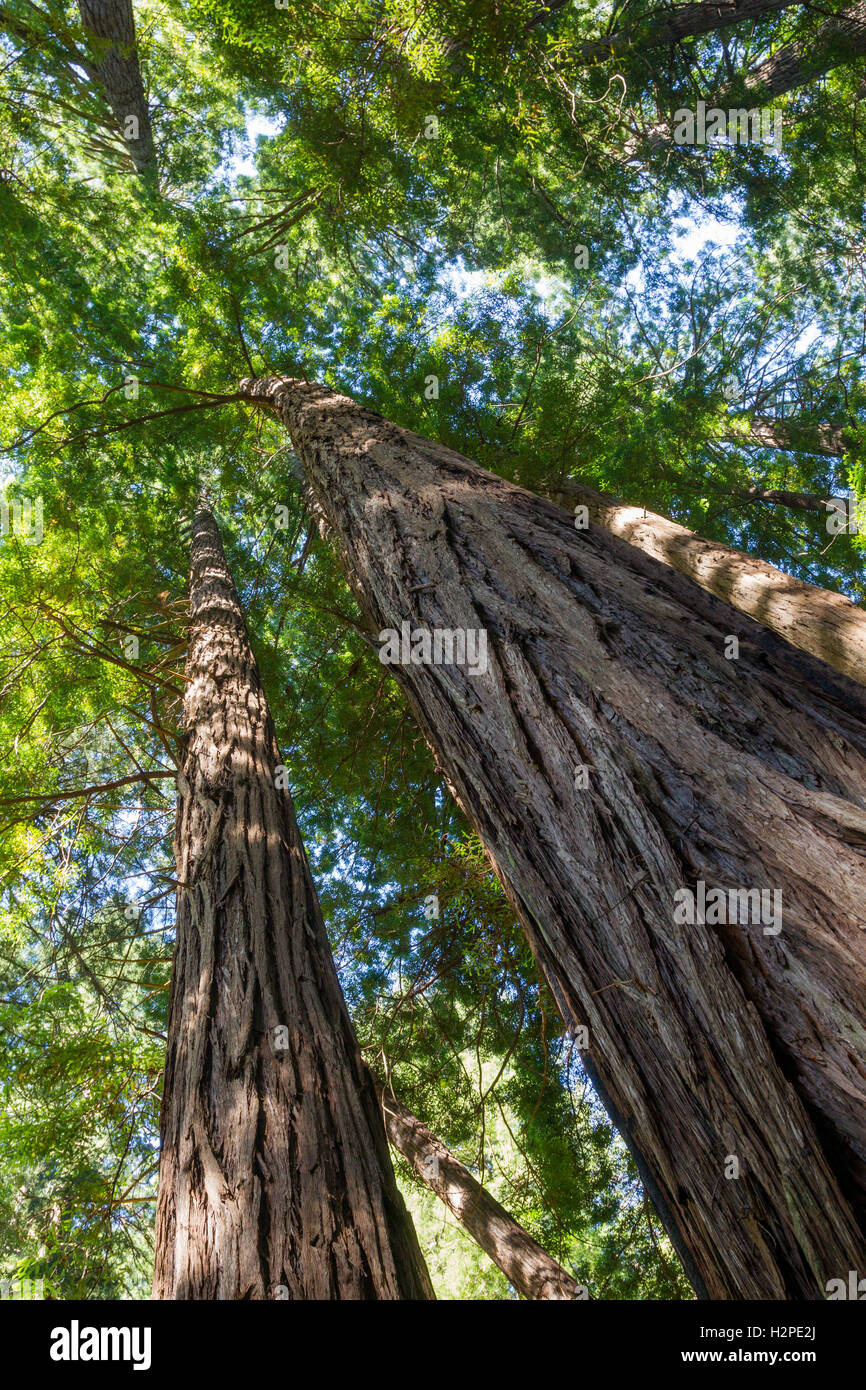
x=114, y=67
x=620, y=747
x=825, y=624
x=528, y=1267
x=275, y=1178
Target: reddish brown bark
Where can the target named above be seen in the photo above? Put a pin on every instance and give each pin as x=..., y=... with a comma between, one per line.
x=275, y=1179
x=710, y=1041
x=827, y=625
x=528, y=1267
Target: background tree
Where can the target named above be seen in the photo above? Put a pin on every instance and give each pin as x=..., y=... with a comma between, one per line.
x=439, y=280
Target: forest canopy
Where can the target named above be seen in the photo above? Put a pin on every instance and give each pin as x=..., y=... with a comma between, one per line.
x=491, y=223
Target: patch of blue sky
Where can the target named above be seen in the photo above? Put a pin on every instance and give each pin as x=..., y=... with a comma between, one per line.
x=240, y=161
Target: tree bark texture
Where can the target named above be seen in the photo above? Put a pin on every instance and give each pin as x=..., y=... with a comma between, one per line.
x=529, y=1268
x=275, y=1177
x=839, y=40
x=711, y=1041
x=113, y=65
x=828, y=440
x=783, y=497
x=826, y=625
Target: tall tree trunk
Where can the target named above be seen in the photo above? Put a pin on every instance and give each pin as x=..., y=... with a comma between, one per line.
x=275, y=1179
x=676, y=23
x=838, y=41
x=826, y=625
x=783, y=497
x=533, y=1273
x=114, y=67
x=670, y=26
x=826, y=439
x=730, y=1052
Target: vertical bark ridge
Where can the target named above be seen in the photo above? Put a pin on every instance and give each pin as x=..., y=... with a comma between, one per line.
x=275, y=1178
x=710, y=1040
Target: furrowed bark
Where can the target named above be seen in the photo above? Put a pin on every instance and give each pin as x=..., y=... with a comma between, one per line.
x=529, y=1268
x=827, y=625
x=839, y=40
x=275, y=1177
x=114, y=66
x=713, y=1042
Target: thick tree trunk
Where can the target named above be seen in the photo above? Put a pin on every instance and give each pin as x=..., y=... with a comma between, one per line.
x=839, y=40
x=275, y=1178
x=659, y=29
x=677, y=23
x=611, y=756
x=529, y=1268
x=114, y=66
x=826, y=625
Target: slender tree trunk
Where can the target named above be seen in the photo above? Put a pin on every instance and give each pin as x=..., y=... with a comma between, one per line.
x=616, y=751
x=114, y=67
x=275, y=1178
x=533, y=1273
x=826, y=625
x=825, y=439
x=783, y=497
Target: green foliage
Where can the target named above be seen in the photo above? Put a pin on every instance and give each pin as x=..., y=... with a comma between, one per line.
x=407, y=227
